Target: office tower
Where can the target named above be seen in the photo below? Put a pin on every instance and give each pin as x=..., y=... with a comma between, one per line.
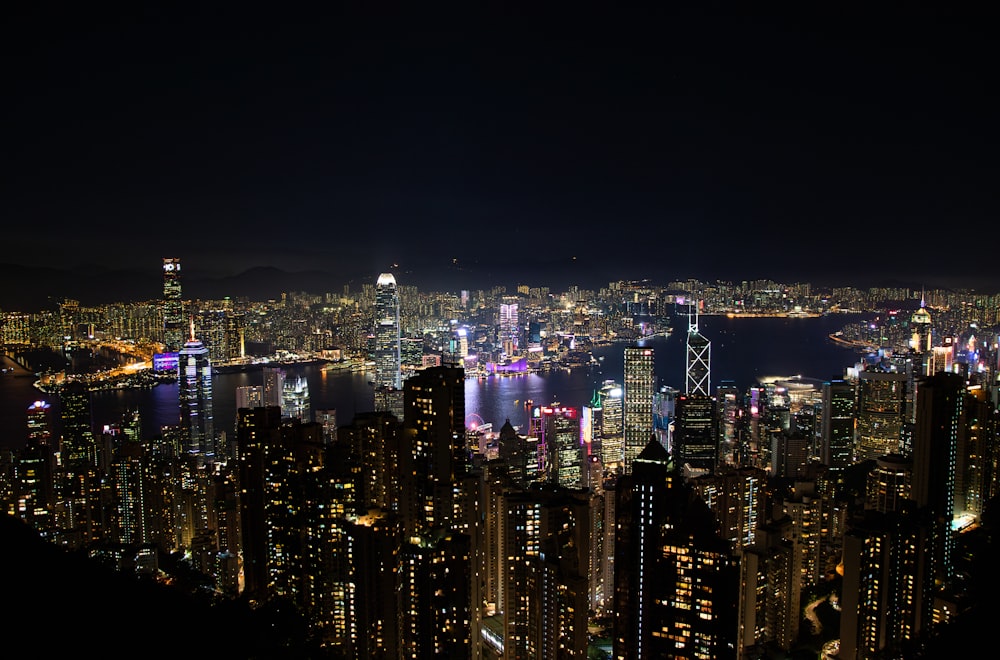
x=789, y=455
x=612, y=424
x=328, y=420
x=295, y=399
x=590, y=433
x=664, y=413
x=882, y=400
x=249, y=396
x=36, y=467
x=274, y=387
x=637, y=401
x=509, y=331
x=387, y=336
x=728, y=400
x=921, y=338
x=194, y=390
x=696, y=443
x=837, y=423
x=563, y=446
x=173, y=306
x=698, y=365
x=40, y=425
x=676, y=580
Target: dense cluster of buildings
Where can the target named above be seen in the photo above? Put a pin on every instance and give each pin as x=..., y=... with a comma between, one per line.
x=653, y=522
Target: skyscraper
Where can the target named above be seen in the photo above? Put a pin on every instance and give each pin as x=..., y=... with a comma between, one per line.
x=676, y=579
x=561, y=438
x=836, y=437
x=387, y=342
x=882, y=398
x=637, y=417
x=698, y=366
x=295, y=399
x=696, y=439
x=274, y=387
x=194, y=391
x=612, y=449
x=509, y=328
x=173, y=307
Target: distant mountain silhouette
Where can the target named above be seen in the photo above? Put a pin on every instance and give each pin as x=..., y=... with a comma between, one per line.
x=36, y=288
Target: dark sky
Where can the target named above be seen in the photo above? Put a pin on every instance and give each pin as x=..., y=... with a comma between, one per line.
x=833, y=144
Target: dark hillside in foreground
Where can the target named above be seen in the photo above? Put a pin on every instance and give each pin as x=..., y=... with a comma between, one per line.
x=59, y=603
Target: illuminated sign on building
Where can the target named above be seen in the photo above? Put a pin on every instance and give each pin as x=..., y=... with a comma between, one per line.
x=165, y=362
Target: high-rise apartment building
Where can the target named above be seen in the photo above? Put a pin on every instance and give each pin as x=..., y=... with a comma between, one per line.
x=173, y=306
x=434, y=413
x=637, y=401
x=387, y=336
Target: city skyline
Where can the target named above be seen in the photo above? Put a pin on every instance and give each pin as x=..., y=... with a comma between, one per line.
x=809, y=144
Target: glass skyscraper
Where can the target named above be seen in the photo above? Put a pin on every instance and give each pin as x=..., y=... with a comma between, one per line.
x=173, y=310
x=194, y=391
x=637, y=417
x=387, y=343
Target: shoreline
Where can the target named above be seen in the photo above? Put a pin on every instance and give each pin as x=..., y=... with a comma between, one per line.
x=14, y=368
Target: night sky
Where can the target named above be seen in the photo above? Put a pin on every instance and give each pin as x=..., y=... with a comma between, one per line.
x=831, y=144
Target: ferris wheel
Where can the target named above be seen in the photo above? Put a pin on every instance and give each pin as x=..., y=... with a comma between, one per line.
x=473, y=421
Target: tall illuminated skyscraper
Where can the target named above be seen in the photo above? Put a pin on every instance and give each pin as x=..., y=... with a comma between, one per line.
x=882, y=399
x=696, y=439
x=387, y=342
x=194, y=391
x=509, y=328
x=173, y=307
x=637, y=402
x=837, y=429
x=296, y=399
x=273, y=387
x=612, y=449
x=698, y=365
